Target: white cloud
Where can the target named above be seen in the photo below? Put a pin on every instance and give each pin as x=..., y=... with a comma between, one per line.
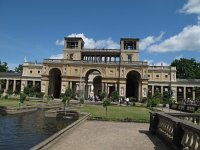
x=146, y=42
x=92, y=44
x=198, y=18
x=57, y=56
x=191, y=7
x=59, y=42
x=187, y=39
x=178, y=57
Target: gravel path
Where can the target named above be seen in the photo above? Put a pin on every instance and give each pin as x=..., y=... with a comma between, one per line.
x=103, y=135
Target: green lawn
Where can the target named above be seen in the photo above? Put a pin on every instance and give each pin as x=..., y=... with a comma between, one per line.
x=117, y=113
x=98, y=112
x=15, y=102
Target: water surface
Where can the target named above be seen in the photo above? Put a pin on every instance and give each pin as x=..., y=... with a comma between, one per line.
x=23, y=131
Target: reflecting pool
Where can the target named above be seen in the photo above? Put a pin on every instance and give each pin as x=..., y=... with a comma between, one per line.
x=23, y=131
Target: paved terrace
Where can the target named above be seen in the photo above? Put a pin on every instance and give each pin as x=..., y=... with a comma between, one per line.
x=102, y=135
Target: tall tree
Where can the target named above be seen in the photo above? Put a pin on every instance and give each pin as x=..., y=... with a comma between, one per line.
x=187, y=68
x=19, y=68
x=3, y=67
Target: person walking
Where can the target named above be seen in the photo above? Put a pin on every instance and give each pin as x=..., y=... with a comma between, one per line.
x=127, y=101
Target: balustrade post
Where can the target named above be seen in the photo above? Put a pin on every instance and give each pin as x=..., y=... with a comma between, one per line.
x=153, y=122
x=178, y=135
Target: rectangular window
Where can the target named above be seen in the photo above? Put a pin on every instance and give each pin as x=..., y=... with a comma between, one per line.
x=72, y=45
x=129, y=58
x=129, y=45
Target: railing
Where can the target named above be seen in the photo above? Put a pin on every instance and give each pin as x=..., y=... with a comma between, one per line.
x=102, y=50
x=140, y=63
x=191, y=137
x=194, y=118
x=184, y=107
x=161, y=67
x=175, y=132
x=33, y=63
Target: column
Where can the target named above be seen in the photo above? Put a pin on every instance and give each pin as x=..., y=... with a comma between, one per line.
x=193, y=93
x=115, y=86
x=161, y=90
x=184, y=92
x=102, y=86
x=89, y=90
x=139, y=92
x=7, y=84
x=70, y=84
x=106, y=88
x=47, y=88
x=14, y=85
x=152, y=90
x=67, y=85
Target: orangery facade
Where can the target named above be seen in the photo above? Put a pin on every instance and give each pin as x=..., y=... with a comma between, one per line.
x=95, y=70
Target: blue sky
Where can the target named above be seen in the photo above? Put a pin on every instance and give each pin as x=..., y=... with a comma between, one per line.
x=167, y=29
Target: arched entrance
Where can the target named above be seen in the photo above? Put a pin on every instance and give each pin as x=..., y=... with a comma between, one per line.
x=54, y=82
x=132, y=84
x=93, y=82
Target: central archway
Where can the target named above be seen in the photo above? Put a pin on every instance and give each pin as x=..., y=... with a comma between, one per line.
x=132, y=84
x=93, y=82
x=55, y=82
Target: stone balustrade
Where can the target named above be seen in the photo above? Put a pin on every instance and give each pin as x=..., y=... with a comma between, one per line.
x=184, y=107
x=140, y=63
x=178, y=131
x=191, y=138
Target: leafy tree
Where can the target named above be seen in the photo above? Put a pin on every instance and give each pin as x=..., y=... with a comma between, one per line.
x=66, y=97
x=114, y=96
x=19, y=68
x=33, y=92
x=81, y=100
x=68, y=93
x=65, y=101
x=106, y=103
x=154, y=100
x=167, y=97
x=3, y=67
x=22, y=99
x=187, y=68
x=102, y=95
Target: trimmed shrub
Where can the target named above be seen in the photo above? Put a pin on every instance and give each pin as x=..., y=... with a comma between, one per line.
x=114, y=96
x=22, y=98
x=102, y=95
x=144, y=100
x=153, y=101
x=81, y=100
x=106, y=103
x=6, y=96
x=39, y=94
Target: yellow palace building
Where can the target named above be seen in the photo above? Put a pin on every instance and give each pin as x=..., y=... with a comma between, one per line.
x=95, y=70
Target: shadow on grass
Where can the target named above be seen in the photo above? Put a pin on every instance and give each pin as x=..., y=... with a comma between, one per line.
x=159, y=145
